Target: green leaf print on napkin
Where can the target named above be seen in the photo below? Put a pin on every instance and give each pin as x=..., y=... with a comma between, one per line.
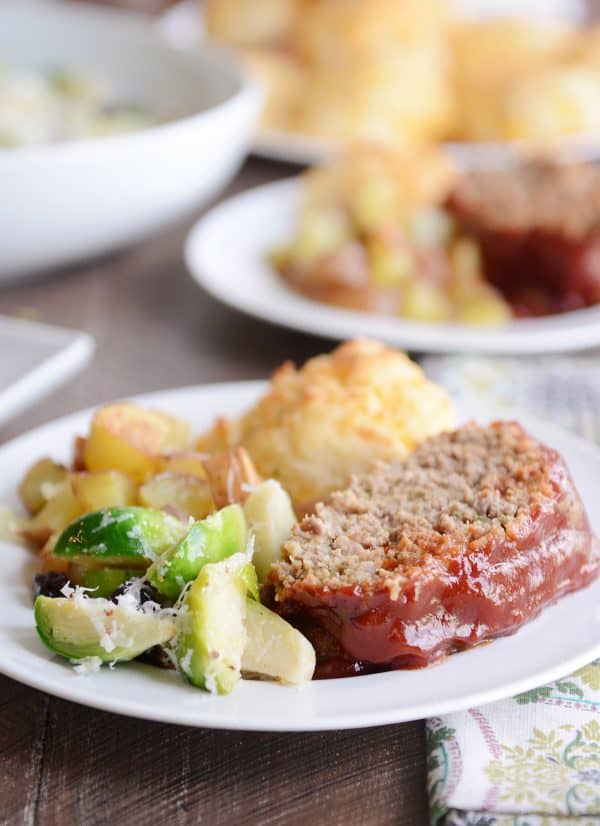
x=590, y=675
x=587, y=677
x=437, y=767
x=556, y=771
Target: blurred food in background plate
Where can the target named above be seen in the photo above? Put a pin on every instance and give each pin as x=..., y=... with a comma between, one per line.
x=515, y=79
x=412, y=72
x=254, y=23
x=373, y=234
x=537, y=228
x=38, y=107
x=342, y=66
x=397, y=232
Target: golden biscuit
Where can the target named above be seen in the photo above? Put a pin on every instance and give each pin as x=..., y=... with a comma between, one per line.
x=250, y=22
x=284, y=84
x=336, y=416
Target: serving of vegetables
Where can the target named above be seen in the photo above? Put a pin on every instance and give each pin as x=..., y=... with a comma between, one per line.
x=136, y=556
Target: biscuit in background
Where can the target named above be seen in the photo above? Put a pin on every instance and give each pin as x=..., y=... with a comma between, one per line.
x=491, y=60
x=337, y=32
x=284, y=83
x=251, y=22
x=401, y=96
x=584, y=47
x=376, y=70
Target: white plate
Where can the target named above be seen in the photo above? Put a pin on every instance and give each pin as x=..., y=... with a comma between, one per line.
x=36, y=359
x=563, y=638
x=227, y=253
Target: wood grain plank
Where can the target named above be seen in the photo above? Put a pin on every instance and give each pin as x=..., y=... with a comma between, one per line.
x=153, y=326
x=101, y=768
x=22, y=726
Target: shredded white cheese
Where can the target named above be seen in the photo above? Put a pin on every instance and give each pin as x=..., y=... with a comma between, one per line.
x=87, y=665
x=185, y=663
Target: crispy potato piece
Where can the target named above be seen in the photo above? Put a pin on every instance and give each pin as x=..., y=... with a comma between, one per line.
x=184, y=493
x=128, y=438
x=189, y=462
x=40, y=483
x=49, y=562
x=179, y=436
x=231, y=476
x=54, y=516
x=79, y=444
x=104, y=489
x=224, y=434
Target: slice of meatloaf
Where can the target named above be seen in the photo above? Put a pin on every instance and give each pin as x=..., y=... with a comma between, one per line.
x=465, y=540
x=538, y=229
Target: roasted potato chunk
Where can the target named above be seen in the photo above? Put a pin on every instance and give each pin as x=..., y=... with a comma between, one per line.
x=128, y=438
x=54, y=516
x=40, y=484
x=224, y=434
x=49, y=562
x=185, y=494
x=231, y=476
x=188, y=462
x=179, y=436
x=104, y=489
x=78, y=453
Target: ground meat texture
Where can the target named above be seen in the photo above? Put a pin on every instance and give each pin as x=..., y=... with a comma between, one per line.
x=538, y=229
x=465, y=540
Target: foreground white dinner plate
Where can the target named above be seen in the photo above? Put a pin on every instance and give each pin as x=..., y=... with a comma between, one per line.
x=563, y=638
x=227, y=254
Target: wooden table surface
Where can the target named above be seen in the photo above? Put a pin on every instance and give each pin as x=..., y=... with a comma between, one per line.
x=61, y=763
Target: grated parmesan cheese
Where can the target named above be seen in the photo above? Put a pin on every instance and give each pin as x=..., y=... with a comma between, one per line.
x=87, y=665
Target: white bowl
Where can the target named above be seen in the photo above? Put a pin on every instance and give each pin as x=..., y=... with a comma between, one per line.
x=62, y=202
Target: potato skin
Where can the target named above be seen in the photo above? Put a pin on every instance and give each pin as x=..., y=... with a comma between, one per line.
x=104, y=489
x=336, y=416
x=186, y=461
x=39, y=484
x=231, y=476
x=55, y=515
x=183, y=493
x=130, y=439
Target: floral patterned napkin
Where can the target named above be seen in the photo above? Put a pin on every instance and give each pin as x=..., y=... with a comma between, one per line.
x=533, y=760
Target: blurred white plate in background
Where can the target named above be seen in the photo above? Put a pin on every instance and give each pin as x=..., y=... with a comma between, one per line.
x=227, y=254
x=36, y=359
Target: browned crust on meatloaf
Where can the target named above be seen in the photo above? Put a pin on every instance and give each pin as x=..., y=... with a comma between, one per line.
x=455, y=490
